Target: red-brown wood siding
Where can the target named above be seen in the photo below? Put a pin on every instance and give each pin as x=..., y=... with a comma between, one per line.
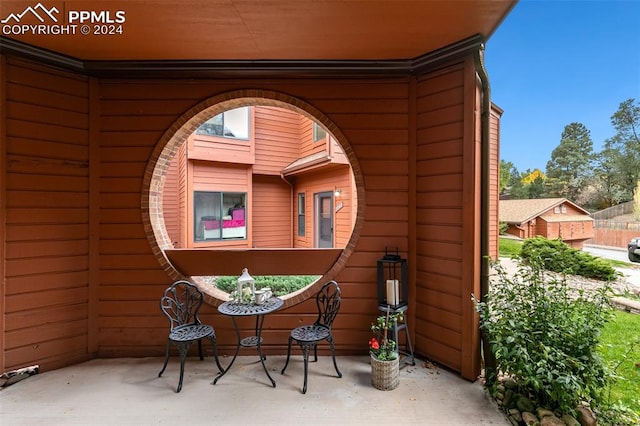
x=308, y=146
x=3, y=204
x=441, y=158
x=277, y=140
x=571, y=232
x=337, y=177
x=373, y=116
x=183, y=198
x=515, y=231
x=277, y=144
x=613, y=237
x=554, y=224
x=223, y=149
x=208, y=176
x=271, y=212
x=547, y=229
x=171, y=201
x=494, y=182
x=46, y=202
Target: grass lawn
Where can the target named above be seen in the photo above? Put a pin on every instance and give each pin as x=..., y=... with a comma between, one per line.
x=618, y=339
x=509, y=247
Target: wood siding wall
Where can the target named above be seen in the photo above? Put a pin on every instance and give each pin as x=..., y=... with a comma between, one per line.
x=613, y=237
x=183, y=197
x=207, y=176
x=325, y=181
x=171, y=201
x=308, y=146
x=211, y=148
x=272, y=212
x=277, y=139
x=556, y=225
x=416, y=145
x=572, y=232
x=46, y=217
x=571, y=211
x=494, y=183
x=441, y=256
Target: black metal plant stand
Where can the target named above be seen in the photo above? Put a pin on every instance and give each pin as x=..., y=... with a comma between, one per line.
x=397, y=327
x=393, y=291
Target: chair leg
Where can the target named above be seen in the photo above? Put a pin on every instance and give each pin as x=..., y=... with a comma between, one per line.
x=200, y=349
x=315, y=353
x=166, y=358
x=305, y=355
x=183, y=348
x=333, y=355
x=215, y=353
x=288, y=355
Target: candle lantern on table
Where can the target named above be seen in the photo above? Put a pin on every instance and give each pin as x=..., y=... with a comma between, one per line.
x=393, y=282
x=246, y=290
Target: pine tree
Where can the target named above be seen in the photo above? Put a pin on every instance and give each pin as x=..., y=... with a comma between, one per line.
x=571, y=161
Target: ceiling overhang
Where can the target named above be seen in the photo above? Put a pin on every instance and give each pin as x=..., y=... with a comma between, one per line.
x=221, y=68
x=159, y=36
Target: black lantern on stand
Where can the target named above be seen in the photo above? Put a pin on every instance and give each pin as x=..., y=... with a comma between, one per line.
x=392, y=281
x=393, y=294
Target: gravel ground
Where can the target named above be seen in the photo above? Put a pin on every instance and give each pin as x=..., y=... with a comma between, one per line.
x=623, y=285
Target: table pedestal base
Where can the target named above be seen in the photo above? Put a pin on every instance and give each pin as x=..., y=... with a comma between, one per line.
x=229, y=308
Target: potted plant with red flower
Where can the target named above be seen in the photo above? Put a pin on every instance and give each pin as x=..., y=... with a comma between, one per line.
x=385, y=365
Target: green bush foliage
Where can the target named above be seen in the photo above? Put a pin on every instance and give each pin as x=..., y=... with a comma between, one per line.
x=545, y=337
x=502, y=228
x=280, y=285
x=557, y=256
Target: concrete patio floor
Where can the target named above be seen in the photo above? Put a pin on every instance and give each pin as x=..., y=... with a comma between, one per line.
x=127, y=391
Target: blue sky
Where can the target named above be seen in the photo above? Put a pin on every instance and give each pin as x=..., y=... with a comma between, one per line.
x=555, y=62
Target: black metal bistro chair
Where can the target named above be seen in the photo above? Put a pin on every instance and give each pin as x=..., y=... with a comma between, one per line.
x=308, y=336
x=180, y=303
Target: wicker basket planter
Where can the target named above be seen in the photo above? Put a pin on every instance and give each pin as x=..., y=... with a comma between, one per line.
x=385, y=375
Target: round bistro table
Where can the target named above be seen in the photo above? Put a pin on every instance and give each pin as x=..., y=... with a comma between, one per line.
x=234, y=309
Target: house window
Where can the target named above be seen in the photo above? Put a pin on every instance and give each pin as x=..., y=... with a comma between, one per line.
x=230, y=124
x=219, y=215
x=301, y=215
x=556, y=209
x=318, y=133
x=563, y=208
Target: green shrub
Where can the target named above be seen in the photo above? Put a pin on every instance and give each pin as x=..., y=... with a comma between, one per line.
x=559, y=257
x=546, y=339
x=502, y=228
x=280, y=285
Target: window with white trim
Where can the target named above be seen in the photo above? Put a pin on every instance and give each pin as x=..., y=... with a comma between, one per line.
x=233, y=123
x=319, y=133
x=301, y=215
x=219, y=215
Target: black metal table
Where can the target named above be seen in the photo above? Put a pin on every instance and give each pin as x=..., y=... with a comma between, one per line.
x=234, y=309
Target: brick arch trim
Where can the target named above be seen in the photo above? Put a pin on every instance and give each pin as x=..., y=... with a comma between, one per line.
x=187, y=123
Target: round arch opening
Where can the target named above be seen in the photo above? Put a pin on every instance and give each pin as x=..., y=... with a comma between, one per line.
x=167, y=148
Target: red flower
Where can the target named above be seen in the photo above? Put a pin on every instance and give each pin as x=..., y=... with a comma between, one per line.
x=373, y=344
